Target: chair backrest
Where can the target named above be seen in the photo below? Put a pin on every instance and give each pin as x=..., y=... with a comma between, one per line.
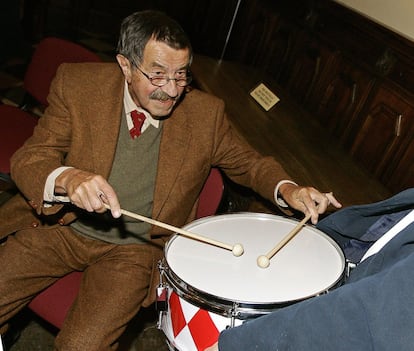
x=49, y=54
x=210, y=196
x=15, y=127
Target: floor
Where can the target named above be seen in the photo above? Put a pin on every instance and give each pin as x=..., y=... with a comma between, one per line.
x=35, y=334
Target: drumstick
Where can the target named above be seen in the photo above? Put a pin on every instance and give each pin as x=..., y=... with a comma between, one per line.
x=263, y=261
x=236, y=249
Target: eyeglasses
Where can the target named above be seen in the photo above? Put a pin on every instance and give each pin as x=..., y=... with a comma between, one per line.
x=160, y=81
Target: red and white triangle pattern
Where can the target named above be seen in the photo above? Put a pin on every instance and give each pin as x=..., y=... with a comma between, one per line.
x=190, y=328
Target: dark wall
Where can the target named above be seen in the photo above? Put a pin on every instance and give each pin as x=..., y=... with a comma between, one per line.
x=206, y=22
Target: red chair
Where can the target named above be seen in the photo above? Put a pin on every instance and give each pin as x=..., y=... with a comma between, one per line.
x=49, y=54
x=210, y=196
x=16, y=125
x=53, y=303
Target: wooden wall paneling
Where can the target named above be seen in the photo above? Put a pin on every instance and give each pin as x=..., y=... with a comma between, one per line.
x=102, y=18
x=246, y=16
x=329, y=68
x=340, y=96
x=207, y=25
x=353, y=34
x=257, y=24
x=301, y=69
x=280, y=49
x=305, y=67
x=400, y=175
x=264, y=40
x=252, y=25
x=206, y=22
x=387, y=121
x=402, y=73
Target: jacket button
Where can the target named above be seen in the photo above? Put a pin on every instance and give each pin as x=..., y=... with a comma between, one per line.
x=33, y=204
x=34, y=224
x=61, y=221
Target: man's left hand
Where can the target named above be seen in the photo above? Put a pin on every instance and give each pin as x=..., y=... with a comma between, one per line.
x=308, y=200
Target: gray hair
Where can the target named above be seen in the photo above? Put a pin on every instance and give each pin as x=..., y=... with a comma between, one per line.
x=138, y=28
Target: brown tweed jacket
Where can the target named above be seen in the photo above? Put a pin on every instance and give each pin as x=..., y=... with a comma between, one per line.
x=80, y=129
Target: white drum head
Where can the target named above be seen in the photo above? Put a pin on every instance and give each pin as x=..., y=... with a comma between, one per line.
x=308, y=265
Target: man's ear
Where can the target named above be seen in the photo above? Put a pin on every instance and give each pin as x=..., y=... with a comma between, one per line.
x=125, y=67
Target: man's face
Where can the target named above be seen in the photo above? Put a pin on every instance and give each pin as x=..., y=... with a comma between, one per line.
x=159, y=60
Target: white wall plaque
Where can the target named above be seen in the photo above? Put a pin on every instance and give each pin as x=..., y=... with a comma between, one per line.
x=264, y=96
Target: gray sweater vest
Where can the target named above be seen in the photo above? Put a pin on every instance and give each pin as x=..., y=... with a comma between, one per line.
x=133, y=178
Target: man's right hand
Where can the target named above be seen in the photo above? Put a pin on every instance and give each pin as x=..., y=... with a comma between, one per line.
x=88, y=191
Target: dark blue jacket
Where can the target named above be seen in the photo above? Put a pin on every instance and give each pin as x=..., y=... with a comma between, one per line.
x=373, y=310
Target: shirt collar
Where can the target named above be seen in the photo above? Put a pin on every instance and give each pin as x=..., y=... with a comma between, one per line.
x=130, y=105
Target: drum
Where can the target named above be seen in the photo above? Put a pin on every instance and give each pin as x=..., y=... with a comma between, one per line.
x=206, y=289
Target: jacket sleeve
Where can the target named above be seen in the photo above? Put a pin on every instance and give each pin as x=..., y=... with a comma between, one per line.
x=45, y=150
x=66, y=135
x=242, y=163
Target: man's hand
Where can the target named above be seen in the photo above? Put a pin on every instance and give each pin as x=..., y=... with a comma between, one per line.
x=88, y=191
x=308, y=200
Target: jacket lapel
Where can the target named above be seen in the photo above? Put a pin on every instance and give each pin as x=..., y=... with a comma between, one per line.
x=105, y=129
x=173, y=150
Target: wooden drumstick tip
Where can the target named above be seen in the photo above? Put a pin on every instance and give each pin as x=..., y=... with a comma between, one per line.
x=263, y=261
x=237, y=250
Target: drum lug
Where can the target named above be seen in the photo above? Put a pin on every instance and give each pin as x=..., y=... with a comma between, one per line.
x=234, y=313
x=162, y=291
x=161, y=305
x=161, y=269
x=161, y=302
